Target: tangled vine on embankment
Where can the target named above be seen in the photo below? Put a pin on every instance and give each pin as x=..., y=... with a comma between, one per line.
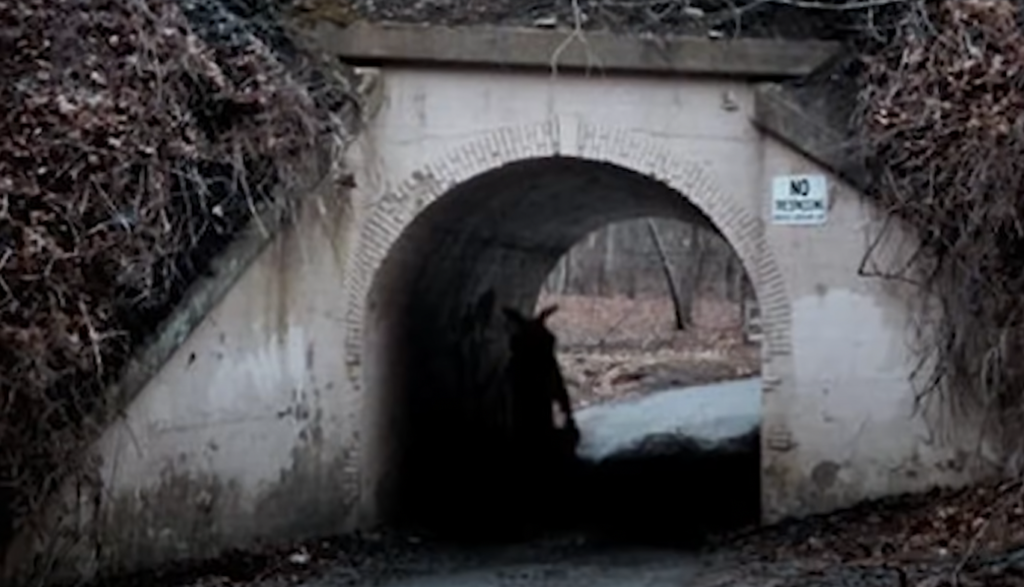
x=941, y=114
x=130, y=151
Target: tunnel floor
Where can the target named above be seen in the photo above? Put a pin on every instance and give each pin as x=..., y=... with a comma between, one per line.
x=833, y=550
x=906, y=540
x=668, y=469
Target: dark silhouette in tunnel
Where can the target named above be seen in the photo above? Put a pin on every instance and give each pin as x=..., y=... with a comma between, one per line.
x=543, y=451
x=461, y=381
x=535, y=383
x=523, y=452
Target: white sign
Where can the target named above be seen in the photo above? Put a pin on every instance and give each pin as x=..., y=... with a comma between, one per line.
x=799, y=199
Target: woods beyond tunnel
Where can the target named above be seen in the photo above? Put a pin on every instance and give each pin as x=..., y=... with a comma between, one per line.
x=443, y=453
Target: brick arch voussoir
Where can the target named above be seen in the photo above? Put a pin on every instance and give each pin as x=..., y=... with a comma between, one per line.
x=740, y=225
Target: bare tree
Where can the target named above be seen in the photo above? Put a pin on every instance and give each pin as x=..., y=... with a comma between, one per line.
x=698, y=253
x=682, y=308
x=636, y=258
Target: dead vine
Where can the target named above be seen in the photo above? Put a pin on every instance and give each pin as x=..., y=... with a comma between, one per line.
x=130, y=152
x=941, y=116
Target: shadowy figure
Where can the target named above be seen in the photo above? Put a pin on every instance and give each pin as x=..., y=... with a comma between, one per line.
x=480, y=374
x=537, y=388
x=542, y=453
x=517, y=437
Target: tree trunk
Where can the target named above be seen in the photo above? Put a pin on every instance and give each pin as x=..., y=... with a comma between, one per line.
x=737, y=276
x=682, y=314
x=699, y=250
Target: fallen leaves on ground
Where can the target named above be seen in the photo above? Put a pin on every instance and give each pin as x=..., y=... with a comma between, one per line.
x=943, y=523
x=974, y=534
x=614, y=348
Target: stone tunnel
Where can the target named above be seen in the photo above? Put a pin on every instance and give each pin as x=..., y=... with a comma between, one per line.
x=431, y=354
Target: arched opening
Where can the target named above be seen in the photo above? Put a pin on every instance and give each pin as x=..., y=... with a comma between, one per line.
x=662, y=364
x=436, y=351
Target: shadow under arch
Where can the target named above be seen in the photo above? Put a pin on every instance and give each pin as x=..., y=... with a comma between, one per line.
x=427, y=459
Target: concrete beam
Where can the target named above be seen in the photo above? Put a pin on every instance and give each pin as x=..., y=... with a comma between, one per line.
x=780, y=115
x=504, y=47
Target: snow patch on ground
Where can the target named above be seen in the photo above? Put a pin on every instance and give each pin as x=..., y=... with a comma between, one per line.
x=708, y=414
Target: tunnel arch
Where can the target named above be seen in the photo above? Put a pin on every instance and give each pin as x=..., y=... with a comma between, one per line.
x=479, y=205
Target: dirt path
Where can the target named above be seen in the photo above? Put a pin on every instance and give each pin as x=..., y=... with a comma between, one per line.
x=398, y=562
x=574, y=563
x=548, y=566
x=976, y=534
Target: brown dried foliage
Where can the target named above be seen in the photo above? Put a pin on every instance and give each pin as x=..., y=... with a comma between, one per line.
x=941, y=113
x=612, y=348
x=129, y=152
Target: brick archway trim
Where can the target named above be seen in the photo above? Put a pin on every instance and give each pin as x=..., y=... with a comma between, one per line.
x=388, y=216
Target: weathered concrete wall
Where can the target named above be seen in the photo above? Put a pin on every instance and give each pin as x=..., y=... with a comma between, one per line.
x=270, y=420
x=245, y=433
x=844, y=426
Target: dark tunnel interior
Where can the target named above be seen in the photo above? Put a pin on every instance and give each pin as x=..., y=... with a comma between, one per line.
x=435, y=349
